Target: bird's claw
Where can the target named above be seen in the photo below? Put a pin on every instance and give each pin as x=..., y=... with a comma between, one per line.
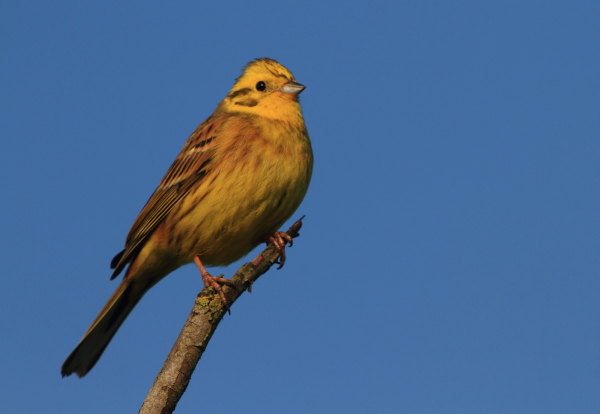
x=215, y=282
x=280, y=239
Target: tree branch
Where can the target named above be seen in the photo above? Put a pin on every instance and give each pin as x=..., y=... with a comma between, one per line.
x=208, y=310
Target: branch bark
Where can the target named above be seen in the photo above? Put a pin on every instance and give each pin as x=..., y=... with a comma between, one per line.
x=208, y=310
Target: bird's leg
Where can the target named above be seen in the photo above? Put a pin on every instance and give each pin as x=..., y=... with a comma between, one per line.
x=279, y=239
x=213, y=281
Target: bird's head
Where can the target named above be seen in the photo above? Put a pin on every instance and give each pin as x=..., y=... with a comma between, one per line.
x=265, y=88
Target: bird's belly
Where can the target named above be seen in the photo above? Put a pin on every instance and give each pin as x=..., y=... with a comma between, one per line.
x=227, y=217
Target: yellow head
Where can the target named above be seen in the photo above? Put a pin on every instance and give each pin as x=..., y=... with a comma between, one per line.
x=265, y=88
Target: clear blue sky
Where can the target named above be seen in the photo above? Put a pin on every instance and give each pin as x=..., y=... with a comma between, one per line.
x=449, y=261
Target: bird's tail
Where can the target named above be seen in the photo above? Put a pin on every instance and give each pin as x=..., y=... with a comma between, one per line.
x=104, y=327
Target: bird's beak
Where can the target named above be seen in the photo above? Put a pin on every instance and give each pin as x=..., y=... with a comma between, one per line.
x=292, y=88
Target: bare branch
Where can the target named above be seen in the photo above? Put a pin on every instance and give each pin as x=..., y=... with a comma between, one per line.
x=202, y=322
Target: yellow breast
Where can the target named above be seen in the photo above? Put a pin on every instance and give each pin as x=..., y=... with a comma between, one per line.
x=259, y=179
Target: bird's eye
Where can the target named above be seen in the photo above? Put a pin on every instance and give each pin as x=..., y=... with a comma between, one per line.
x=260, y=86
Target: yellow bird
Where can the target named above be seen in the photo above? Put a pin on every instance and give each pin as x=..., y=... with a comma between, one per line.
x=239, y=177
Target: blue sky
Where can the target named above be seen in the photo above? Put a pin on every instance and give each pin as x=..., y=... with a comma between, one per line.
x=449, y=260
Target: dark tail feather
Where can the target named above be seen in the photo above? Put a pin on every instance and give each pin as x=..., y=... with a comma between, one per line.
x=94, y=342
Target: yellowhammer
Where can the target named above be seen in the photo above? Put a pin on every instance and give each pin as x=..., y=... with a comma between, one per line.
x=239, y=177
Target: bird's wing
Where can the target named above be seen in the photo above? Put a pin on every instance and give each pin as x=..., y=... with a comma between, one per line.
x=190, y=166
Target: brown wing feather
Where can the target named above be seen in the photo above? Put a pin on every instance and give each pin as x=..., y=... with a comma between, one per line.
x=190, y=166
